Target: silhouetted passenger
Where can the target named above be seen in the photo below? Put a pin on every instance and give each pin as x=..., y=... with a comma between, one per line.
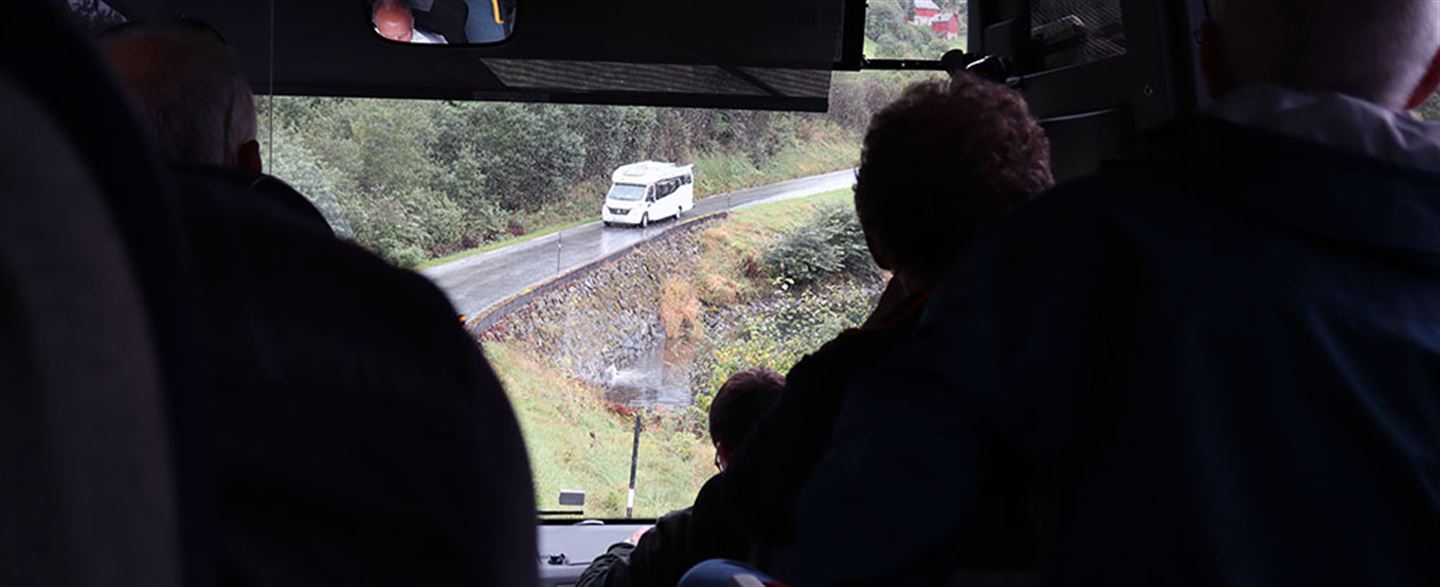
x=1216, y=363
x=939, y=167
x=669, y=549
x=337, y=426
x=197, y=105
x=189, y=89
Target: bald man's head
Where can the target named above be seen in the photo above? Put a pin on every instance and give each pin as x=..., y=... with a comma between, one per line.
x=189, y=87
x=394, y=20
x=1378, y=50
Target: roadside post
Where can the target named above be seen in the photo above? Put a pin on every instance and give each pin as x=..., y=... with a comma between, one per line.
x=634, y=460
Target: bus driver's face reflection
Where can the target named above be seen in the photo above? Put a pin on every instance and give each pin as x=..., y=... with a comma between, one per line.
x=394, y=21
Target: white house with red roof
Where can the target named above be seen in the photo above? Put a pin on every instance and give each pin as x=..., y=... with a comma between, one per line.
x=926, y=11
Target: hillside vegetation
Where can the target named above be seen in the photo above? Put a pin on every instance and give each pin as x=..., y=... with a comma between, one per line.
x=759, y=287
x=414, y=180
x=577, y=440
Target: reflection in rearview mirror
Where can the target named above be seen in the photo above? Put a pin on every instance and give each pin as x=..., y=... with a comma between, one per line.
x=443, y=22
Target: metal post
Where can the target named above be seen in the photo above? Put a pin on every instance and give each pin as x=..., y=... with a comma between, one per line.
x=634, y=461
x=559, y=244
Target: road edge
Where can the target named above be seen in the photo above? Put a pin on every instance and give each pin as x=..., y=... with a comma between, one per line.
x=430, y=272
x=489, y=317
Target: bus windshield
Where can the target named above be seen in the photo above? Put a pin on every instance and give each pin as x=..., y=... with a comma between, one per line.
x=595, y=324
x=627, y=192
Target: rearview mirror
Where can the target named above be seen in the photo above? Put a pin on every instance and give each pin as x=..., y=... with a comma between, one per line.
x=443, y=22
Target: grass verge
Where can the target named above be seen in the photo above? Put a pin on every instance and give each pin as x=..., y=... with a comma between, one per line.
x=718, y=173
x=576, y=440
x=730, y=256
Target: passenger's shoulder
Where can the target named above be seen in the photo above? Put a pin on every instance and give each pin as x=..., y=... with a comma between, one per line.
x=1115, y=185
x=1095, y=211
x=1080, y=236
x=262, y=263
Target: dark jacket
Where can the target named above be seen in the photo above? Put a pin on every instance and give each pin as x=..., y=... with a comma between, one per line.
x=262, y=186
x=757, y=493
x=661, y=557
x=679, y=541
x=1220, y=362
x=446, y=17
x=353, y=433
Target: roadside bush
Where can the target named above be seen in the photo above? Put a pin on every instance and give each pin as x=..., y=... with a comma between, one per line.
x=831, y=244
x=778, y=336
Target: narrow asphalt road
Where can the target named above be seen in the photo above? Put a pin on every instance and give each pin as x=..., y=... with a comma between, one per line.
x=474, y=284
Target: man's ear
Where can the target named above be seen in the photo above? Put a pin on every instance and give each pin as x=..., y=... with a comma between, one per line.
x=1214, y=64
x=248, y=157
x=1428, y=85
x=723, y=453
x=877, y=252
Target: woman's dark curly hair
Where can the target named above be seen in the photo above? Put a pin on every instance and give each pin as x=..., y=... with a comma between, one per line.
x=942, y=164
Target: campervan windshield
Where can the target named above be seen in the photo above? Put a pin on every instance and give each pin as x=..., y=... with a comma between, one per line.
x=627, y=192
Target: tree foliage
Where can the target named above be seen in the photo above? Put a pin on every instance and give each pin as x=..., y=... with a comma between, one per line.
x=831, y=244
x=414, y=179
x=891, y=34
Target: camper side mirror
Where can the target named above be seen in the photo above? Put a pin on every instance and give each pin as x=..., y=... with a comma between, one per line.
x=572, y=498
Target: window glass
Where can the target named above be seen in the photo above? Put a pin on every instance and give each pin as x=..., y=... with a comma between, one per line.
x=626, y=192
x=1430, y=110
x=653, y=329
x=1074, y=32
x=465, y=194
x=94, y=15
x=915, y=29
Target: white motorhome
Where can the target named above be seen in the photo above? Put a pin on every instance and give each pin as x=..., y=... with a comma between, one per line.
x=641, y=193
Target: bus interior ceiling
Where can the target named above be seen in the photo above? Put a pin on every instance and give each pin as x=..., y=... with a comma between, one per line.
x=748, y=54
x=1097, y=72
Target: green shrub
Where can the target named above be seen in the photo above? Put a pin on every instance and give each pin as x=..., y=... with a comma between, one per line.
x=777, y=337
x=831, y=244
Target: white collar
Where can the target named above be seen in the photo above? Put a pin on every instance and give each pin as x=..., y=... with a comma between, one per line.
x=421, y=37
x=427, y=38
x=1335, y=120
